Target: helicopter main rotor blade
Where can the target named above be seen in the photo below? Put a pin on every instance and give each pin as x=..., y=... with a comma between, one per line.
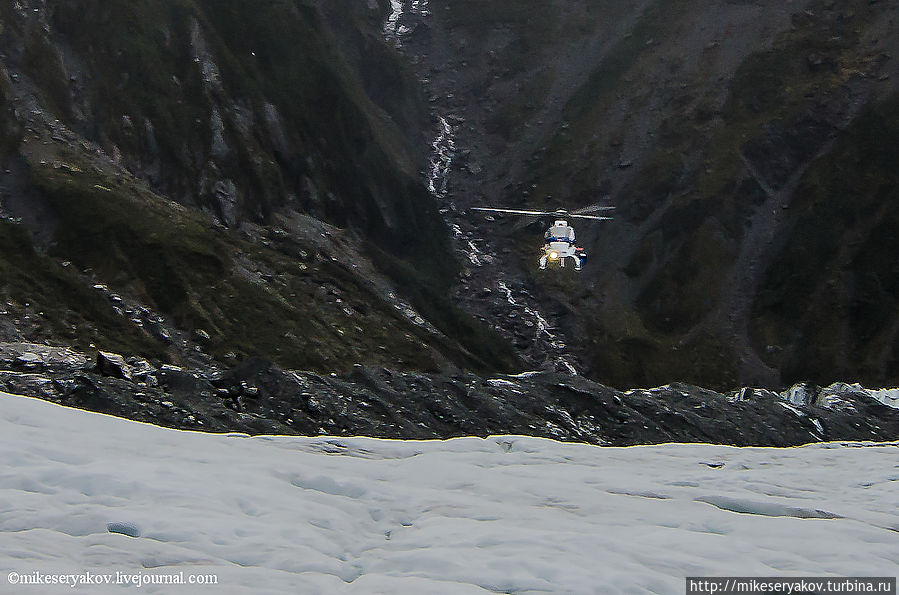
x=594, y=217
x=544, y=213
x=592, y=209
x=514, y=211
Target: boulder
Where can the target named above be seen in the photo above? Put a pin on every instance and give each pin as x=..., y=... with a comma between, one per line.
x=114, y=365
x=29, y=360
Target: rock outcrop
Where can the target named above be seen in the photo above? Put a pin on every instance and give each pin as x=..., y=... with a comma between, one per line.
x=258, y=397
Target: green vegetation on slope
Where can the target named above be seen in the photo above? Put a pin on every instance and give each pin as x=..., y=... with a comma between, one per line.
x=301, y=110
x=829, y=301
x=280, y=299
x=818, y=316
x=576, y=146
x=10, y=129
x=141, y=66
x=52, y=301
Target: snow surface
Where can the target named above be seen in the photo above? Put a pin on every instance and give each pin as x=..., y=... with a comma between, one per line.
x=887, y=396
x=357, y=515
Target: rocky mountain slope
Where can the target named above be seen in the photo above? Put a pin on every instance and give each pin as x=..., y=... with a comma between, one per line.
x=216, y=181
x=747, y=148
x=226, y=192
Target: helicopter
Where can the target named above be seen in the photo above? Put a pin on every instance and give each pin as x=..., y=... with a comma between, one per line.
x=559, y=238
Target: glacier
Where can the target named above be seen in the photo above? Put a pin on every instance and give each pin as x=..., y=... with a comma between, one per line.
x=86, y=492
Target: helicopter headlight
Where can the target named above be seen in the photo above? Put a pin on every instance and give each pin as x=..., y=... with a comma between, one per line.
x=553, y=255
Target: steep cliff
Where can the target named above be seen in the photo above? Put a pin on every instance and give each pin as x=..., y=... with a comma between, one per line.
x=746, y=146
x=235, y=179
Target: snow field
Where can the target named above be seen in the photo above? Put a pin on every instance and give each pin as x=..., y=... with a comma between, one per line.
x=359, y=515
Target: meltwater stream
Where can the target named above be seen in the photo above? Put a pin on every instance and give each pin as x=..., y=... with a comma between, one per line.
x=444, y=148
x=509, y=309
x=395, y=28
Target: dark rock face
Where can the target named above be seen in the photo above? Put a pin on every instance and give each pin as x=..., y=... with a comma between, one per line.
x=201, y=182
x=258, y=397
x=740, y=146
x=217, y=180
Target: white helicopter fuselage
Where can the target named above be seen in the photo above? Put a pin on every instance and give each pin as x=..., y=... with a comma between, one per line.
x=559, y=245
x=558, y=250
x=558, y=242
